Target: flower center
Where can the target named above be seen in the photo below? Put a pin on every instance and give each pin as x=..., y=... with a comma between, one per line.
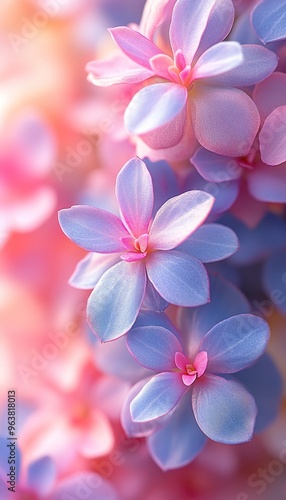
x=191, y=371
x=136, y=247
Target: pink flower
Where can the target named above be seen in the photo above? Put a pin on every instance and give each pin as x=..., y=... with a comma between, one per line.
x=192, y=88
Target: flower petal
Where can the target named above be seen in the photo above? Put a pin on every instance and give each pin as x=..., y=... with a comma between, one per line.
x=179, y=217
x=235, y=343
x=188, y=23
x=115, y=70
x=179, y=441
x=114, y=304
x=269, y=20
x=152, y=300
x=258, y=63
x=179, y=278
x=219, y=24
x=224, y=410
x=216, y=168
x=90, y=269
x=154, y=347
x=270, y=94
x=211, y=243
x=153, y=16
x=225, y=120
x=226, y=301
x=158, y=397
x=93, y=229
x=274, y=279
x=272, y=137
x=218, y=59
x=155, y=106
x=135, y=45
x=268, y=184
x=134, y=192
x=264, y=382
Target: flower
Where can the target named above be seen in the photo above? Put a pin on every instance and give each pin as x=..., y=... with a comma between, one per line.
x=138, y=248
x=193, y=89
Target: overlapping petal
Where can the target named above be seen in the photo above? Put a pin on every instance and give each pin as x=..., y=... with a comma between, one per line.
x=155, y=106
x=93, y=229
x=179, y=278
x=268, y=184
x=224, y=410
x=158, y=397
x=179, y=217
x=188, y=23
x=225, y=120
x=258, y=63
x=272, y=137
x=115, y=301
x=116, y=70
x=134, y=192
x=216, y=168
x=135, y=45
x=211, y=243
x=89, y=270
x=179, y=440
x=269, y=20
x=218, y=59
x=154, y=347
x=235, y=343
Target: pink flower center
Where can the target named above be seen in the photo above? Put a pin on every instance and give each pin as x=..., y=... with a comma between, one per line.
x=176, y=70
x=137, y=248
x=191, y=371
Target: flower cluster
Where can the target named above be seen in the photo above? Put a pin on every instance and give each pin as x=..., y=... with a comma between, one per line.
x=200, y=94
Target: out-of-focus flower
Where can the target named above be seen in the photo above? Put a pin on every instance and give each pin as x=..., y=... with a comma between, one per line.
x=269, y=20
x=194, y=89
x=143, y=246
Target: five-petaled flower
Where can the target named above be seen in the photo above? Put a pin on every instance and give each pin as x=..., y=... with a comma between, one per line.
x=191, y=91
x=223, y=409
x=168, y=250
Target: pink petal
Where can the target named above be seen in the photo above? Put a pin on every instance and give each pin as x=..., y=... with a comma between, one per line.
x=178, y=218
x=154, y=15
x=188, y=24
x=200, y=363
x=155, y=106
x=218, y=59
x=189, y=379
x=225, y=120
x=181, y=360
x=160, y=65
x=272, y=137
x=134, y=192
x=270, y=94
x=136, y=46
x=115, y=70
x=268, y=184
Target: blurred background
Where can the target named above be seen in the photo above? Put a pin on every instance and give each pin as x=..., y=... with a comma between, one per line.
x=62, y=142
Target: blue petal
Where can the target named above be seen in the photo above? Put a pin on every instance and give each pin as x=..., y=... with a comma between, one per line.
x=264, y=382
x=93, y=229
x=274, y=280
x=179, y=440
x=158, y=397
x=235, y=343
x=137, y=429
x=211, y=243
x=114, y=304
x=154, y=347
x=224, y=410
x=42, y=475
x=216, y=168
x=269, y=20
x=90, y=269
x=226, y=301
x=152, y=300
x=179, y=278
x=115, y=359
